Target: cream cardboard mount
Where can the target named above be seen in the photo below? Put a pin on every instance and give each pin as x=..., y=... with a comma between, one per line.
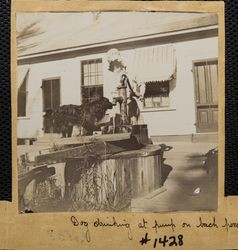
x=152, y=185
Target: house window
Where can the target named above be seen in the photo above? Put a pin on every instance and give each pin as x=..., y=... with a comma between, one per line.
x=22, y=99
x=51, y=94
x=156, y=94
x=92, y=80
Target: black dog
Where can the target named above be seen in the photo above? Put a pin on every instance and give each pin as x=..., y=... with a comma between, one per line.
x=85, y=116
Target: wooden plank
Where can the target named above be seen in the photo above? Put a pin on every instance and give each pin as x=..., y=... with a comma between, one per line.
x=146, y=151
x=99, y=146
x=97, y=149
x=39, y=173
x=92, y=138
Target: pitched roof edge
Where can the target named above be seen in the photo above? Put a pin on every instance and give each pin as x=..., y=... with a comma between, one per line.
x=114, y=42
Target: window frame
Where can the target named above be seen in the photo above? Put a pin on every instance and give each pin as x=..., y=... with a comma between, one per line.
x=167, y=107
x=95, y=74
x=51, y=79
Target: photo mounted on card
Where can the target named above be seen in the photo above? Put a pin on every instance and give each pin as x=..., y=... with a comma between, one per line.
x=117, y=111
x=118, y=125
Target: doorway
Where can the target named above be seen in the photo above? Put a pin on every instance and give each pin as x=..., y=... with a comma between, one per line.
x=206, y=93
x=51, y=101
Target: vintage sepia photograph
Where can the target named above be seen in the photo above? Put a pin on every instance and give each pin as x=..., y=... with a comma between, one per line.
x=117, y=111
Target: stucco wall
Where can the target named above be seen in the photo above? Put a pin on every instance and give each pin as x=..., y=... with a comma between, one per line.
x=67, y=70
x=179, y=118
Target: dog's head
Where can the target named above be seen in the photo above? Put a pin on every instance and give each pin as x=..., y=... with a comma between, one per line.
x=102, y=103
x=106, y=103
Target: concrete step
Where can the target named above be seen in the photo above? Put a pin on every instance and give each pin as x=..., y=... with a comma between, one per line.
x=47, y=140
x=44, y=144
x=198, y=137
x=48, y=137
x=25, y=141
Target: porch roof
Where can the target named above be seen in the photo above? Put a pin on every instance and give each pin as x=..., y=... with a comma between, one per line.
x=38, y=33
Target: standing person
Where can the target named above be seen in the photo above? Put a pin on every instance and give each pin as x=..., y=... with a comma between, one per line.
x=135, y=102
x=126, y=95
x=117, y=90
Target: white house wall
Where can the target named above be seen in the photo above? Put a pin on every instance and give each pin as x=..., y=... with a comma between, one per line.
x=179, y=118
x=67, y=70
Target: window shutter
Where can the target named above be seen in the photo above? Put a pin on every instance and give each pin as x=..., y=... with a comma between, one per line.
x=55, y=93
x=46, y=87
x=21, y=100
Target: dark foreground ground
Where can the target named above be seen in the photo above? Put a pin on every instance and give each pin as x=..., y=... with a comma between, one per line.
x=188, y=186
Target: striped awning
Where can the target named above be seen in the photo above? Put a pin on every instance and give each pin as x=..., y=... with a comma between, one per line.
x=22, y=72
x=154, y=63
